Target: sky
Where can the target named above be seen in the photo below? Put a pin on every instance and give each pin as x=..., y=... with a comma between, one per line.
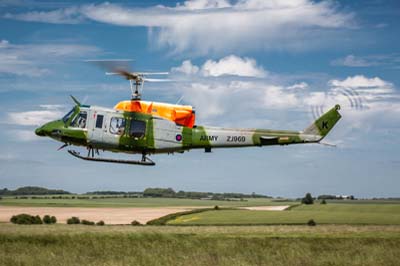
x=274, y=64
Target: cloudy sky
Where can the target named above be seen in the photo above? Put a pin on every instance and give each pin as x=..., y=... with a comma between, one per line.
x=242, y=63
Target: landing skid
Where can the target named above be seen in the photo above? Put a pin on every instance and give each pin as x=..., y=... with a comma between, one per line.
x=145, y=161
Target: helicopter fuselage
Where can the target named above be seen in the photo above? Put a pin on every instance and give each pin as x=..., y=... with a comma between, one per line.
x=134, y=132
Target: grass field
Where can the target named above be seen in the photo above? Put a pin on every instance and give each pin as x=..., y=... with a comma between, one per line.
x=136, y=202
x=331, y=213
x=227, y=245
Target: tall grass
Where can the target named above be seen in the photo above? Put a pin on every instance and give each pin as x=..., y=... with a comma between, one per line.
x=143, y=247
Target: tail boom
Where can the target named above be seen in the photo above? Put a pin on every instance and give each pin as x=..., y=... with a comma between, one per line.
x=215, y=137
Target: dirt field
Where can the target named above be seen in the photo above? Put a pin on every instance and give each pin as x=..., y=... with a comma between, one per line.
x=108, y=215
x=266, y=208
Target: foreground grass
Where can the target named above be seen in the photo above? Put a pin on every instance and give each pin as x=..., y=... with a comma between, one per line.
x=243, y=245
x=323, y=214
x=135, y=202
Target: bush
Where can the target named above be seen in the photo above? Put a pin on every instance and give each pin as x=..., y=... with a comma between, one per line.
x=26, y=219
x=308, y=199
x=135, y=223
x=86, y=222
x=47, y=219
x=73, y=220
x=216, y=207
x=101, y=223
x=323, y=201
x=311, y=222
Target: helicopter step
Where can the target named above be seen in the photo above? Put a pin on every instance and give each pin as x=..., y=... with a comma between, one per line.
x=145, y=161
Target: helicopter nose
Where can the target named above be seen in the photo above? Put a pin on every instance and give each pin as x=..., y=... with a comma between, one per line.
x=40, y=132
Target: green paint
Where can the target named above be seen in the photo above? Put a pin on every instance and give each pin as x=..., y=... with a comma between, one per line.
x=129, y=143
x=198, y=137
x=325, y=123
x=187, y=134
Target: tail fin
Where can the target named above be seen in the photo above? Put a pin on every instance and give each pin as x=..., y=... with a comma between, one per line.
x=325, y=123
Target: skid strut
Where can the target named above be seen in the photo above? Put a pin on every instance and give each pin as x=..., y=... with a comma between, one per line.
x=145, y=160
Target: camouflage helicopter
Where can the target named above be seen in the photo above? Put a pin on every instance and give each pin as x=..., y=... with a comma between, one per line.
x=143, y=127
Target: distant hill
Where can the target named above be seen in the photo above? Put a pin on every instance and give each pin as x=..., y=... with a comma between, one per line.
x=32, y=191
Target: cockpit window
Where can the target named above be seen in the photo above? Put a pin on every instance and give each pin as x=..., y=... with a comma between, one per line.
x=117, y=125
x=80, y=120
x=68, y=115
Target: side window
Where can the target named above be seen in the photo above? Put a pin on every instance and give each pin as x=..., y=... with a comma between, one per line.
x=117, y=126
x=137, y=129
x=99, y=121
x=80, y=120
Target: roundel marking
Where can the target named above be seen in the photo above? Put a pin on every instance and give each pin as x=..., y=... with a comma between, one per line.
x=178, y=137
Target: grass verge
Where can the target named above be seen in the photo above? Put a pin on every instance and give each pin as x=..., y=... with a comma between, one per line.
x=153, y=245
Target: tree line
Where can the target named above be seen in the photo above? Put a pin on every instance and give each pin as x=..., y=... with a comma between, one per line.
x=30, y=190
x=170, y=193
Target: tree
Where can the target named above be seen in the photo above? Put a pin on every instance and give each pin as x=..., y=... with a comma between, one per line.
x=311, y=222
x=73, y=220
x=26, y=219
x=47, y=219
x=308, y=199
x=135, y=223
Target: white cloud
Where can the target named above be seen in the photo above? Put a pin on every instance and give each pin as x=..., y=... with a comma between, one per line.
x=278, y=97
x=218, y=26
x=203, y=4
x=233, y=65
x=68, y=15
x=237, y=101
x=34, y=118
x=352, y=61
x=31, y=59
x=230, y=65
x=299, y=86
x=370, y=88
x=24, y=135
x=52, y=106
x=389, y=60
x=224, y=98
x=230, y=85
x=186, y=68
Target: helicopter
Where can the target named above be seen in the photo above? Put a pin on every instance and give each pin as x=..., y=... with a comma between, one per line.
x=143, y=127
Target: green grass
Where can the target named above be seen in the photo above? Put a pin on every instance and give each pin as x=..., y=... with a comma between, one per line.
x=322, y=214
x=243, y=245
x=134, y=202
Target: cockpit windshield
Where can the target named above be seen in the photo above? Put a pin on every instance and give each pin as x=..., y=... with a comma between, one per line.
x=80, y=120
x=68, y=115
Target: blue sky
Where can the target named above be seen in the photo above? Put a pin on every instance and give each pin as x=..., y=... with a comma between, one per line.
x=247, y=63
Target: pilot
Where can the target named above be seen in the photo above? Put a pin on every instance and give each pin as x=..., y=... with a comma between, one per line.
x=120, y=126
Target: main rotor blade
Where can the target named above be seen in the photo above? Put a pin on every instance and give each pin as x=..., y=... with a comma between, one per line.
x=113, y=65
x=157, y=80
x=126, y=74
x=154, y=73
